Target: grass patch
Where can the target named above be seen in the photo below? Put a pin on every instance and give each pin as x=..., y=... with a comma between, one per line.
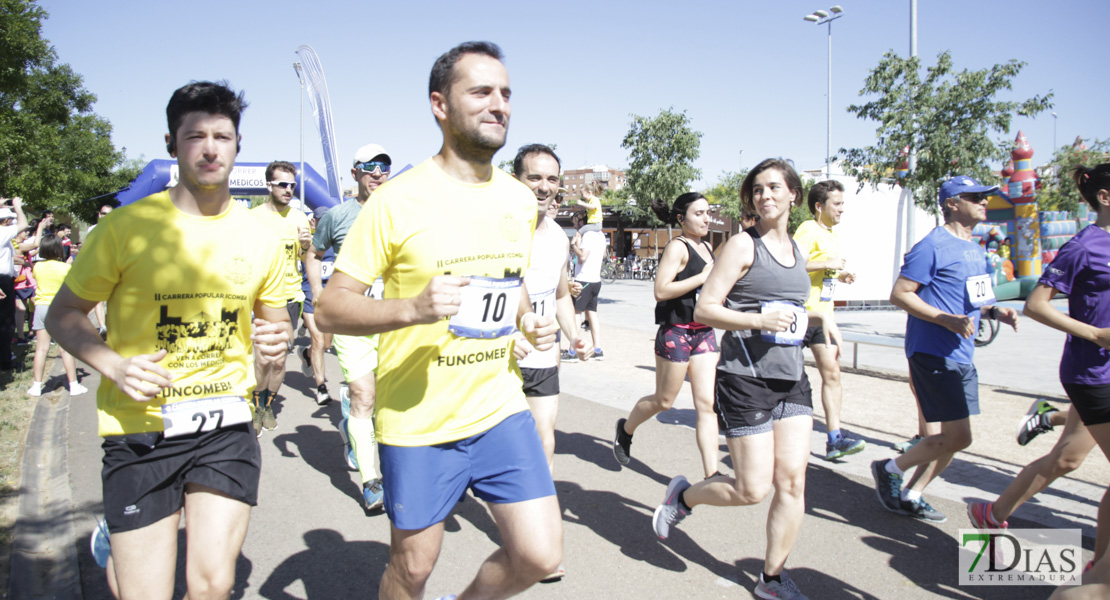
x=16, y=408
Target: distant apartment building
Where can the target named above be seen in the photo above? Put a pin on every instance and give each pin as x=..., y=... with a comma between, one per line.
x=575, y=179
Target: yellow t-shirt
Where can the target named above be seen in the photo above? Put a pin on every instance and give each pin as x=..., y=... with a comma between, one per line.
x=285, y=226
x=434, y=386
x=49, y=274
x=818, y=243
x=593, y=210
x=183, y=283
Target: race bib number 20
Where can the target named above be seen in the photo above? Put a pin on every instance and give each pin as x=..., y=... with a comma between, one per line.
x=488, y=308
x=979, y=290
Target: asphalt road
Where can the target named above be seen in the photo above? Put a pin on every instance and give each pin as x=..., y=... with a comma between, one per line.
x=309, y=537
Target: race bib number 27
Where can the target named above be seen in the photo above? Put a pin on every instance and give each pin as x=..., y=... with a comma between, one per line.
x=204, y=414
x=488, y=308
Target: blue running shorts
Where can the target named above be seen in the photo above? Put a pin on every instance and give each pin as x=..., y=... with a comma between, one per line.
x=503, y=464
x=946, y=390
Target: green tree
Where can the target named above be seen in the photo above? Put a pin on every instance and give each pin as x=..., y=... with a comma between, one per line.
x=1058, y=191
x=662, y=151
x=726, y=193
x=55, y=151
x=949, y=118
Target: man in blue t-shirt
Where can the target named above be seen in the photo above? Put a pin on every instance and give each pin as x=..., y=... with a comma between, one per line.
x=945, y=287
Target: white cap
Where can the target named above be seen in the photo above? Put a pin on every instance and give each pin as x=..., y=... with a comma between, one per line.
x=369, y=152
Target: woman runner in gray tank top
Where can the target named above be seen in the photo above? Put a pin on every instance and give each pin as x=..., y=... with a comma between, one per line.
x=757, y=292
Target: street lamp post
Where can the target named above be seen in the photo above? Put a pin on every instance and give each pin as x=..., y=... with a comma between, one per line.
x=1054, y=146
x=823, y=17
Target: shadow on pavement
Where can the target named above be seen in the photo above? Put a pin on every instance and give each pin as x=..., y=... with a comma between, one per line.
x=599, y=452
x=812, y=582
x=322, y=450
x=331, y=567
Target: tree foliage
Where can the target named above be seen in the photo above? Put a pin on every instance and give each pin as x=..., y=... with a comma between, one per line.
x=662, y=151
x=949, y=117
x=1058, y=191
x=55, y=151
x=726, y=193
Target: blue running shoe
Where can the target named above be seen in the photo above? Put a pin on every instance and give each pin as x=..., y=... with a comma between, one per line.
x=373, y=495
x=345, y=400
x=888, y=486
x=348, y=450
x=100, y=544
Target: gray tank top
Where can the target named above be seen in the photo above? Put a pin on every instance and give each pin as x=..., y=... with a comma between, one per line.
x=746, y=352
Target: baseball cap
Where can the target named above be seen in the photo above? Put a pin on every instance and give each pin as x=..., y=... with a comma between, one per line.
x=368, y=152
x=318, y=212
x=962, y=184
x=6, y=213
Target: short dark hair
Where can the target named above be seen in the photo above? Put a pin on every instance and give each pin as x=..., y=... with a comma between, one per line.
x=793, y=182
x=443, y=71
x=525, y=151
x=820, y=193
x=670, y=214
x=1090, y=181
x=51, y=248
x=62, y=227
x=203, y=96
x=280, y=165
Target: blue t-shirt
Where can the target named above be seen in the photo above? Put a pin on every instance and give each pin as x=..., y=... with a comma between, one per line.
x=1082, y=271
x=327, y=267
x=942, y=263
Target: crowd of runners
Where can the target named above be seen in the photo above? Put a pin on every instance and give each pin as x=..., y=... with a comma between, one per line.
x=444, y=292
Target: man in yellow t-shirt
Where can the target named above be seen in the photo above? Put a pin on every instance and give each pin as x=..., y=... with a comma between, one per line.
x=450, y=412
x=817, y=240
x=181, y=280
x=291, y=227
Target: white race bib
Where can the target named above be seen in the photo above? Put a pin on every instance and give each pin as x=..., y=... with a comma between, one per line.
x=543, y=303
x=980, y=292
x=377, y=289
x=828, y=287
x=488, y=308
x=793, y=334
x=204, y=414
x=326, y=269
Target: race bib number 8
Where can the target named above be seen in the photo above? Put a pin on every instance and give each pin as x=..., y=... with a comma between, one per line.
x=979, y=290
x=793, y=334
x=204, y=414
x=488, y=308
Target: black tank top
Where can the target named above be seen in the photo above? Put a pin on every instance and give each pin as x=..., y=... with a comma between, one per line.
x=680, y=311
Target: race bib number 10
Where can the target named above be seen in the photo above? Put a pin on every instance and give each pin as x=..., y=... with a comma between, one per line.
x=488, y=308
x=793, y=334
x=204, y=414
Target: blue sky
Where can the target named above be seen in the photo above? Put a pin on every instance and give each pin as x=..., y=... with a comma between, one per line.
x=750, y=75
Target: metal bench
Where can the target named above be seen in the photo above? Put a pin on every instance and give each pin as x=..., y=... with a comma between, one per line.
x=866, y=338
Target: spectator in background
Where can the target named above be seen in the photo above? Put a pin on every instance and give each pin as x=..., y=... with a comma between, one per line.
x=12, y=221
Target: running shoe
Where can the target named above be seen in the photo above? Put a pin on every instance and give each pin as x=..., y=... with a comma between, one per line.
x=322, y=396
x=306, y=362
x=920, y=509
x=670, y=513
x=100, y=544
x=76, y=389
x=979, y=515
x=269, y=422
x=566, y=356
x=903, y=447
x=348, y=451
x=843, y=447
x=598, y=355
x=622, y=444
x=1035, y=422
x=558, y=575
x=786, y=590
x=372, y=495
x=35, y=390
x=888, y=486
x=257, y=422
x=345, y=401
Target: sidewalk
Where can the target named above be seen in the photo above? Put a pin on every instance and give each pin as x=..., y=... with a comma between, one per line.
x=309, y=538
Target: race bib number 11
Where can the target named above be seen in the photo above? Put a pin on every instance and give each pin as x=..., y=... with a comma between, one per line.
x=488, y=308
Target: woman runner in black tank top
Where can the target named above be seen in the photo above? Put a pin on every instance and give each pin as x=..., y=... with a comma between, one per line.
x=682, y=345
x=756, y=292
